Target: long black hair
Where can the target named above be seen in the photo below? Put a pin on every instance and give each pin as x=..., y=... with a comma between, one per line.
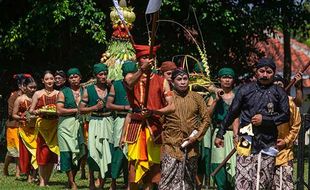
x=28, y=81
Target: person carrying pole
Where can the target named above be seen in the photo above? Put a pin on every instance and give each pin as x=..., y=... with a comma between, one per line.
x=143, y=134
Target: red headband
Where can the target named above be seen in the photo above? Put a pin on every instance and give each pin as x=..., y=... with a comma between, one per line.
x=142, y=50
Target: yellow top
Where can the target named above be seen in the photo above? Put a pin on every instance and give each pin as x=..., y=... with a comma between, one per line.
x=289, y=132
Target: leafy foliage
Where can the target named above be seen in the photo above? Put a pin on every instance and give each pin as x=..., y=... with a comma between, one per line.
x=44, y=17
x=56, y=34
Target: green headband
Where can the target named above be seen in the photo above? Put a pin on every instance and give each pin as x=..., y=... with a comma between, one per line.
x=129, y=67
x=73, y=71
x=99, y=67
x=226, y=72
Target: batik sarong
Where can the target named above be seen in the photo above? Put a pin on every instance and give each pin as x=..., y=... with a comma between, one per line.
x=283, y=178
x=174, y=175
x=246, y=172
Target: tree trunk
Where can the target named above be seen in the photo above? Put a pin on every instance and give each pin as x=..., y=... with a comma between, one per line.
x=286, y=46
x=287, y=54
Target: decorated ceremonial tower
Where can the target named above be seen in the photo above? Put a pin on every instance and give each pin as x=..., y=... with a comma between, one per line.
x=120, y=48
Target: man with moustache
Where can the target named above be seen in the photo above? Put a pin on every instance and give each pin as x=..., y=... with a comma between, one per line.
x=262, y=106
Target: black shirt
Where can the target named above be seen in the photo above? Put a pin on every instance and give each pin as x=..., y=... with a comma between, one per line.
x=253, y=98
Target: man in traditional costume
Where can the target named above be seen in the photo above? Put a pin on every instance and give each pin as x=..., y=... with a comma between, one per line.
x=60, y=83
x=262, y=106
x=218, y=106
x=143, y=132
x=179, y=163
x=60, y=79
x=118, y=102
x=100, y=125
x=287, y=134
x=27, y=133
x=70, y=134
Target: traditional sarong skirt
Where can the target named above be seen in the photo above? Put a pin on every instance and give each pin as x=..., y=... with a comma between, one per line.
x=118, y=154
x=175, y=176
x=27, y=147
x=283, y=178
x=219, y=154
x=247, y=170
x=71, y=142
x=47, y=143
x=12, y=141
x=144, y=159
x=99, y=139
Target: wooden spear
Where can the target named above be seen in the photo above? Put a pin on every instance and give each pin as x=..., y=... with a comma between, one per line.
x=148, y=76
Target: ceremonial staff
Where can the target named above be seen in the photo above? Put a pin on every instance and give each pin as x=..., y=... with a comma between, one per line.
x=294, y=79
x=153, y=9
x=121, y=16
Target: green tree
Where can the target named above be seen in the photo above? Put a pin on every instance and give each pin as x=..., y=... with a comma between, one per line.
x=45, y=34
x=52, y=33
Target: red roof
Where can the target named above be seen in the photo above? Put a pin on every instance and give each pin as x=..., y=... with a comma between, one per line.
x=300, y=54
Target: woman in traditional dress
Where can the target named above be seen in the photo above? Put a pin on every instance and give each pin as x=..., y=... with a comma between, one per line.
x=12, y=128
x=27, y=133
x=46, y=124
x=70, y=132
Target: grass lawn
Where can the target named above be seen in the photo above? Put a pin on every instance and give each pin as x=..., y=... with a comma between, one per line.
x=58, y=181
x=306, y=168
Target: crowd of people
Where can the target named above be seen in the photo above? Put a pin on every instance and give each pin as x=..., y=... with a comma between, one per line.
x=153, y=130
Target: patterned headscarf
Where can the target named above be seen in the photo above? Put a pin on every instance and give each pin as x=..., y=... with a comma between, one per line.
x=177, y=72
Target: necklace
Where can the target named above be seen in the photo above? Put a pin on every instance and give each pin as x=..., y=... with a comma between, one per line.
x=48, y=92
